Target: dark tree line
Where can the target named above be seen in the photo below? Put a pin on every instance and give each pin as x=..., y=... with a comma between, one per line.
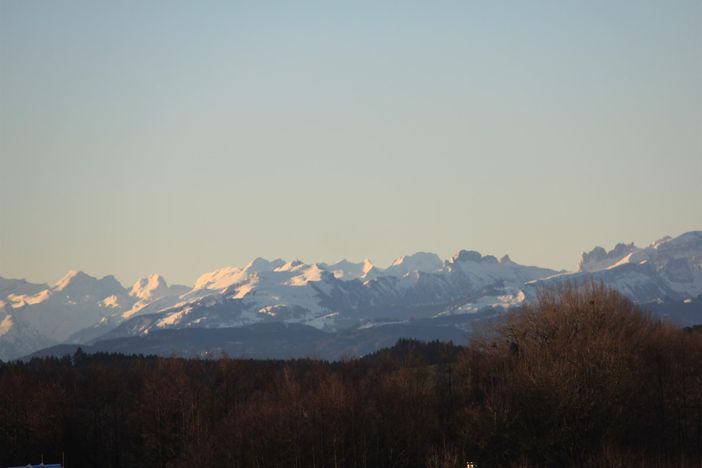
x=580, y=378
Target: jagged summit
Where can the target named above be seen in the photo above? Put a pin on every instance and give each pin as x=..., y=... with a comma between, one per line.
x=472, y=256
x=424, y=262
x=258, y=265
x=669, y=269
x=225, y=277
x=466, y=256
x=218, y=279
x=152, y=286
x=666, y=249
x=77, y=282
x=506, y=260
x=599, y=259
x=72, y=279
x=348, y=270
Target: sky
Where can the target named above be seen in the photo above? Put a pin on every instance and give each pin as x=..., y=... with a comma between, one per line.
x=178, y=137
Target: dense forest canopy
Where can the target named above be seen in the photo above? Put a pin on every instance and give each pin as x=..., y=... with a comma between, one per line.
x=580, y=377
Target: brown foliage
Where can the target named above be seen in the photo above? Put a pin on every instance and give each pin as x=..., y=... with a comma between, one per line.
x=579, y=374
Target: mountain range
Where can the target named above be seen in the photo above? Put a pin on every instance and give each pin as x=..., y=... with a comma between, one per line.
x=278, y=308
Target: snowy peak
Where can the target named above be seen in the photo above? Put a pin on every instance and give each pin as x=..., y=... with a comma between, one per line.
x=424, y=262
x=463, y=256
x=346, y=270
x=484, y=270
x=223, y=278
x=679, y=261
x=77, y=300
x=668, y=269
x=152, y=293
x=470, y=260
x=259, y=265
x=73, y=279
x=76, y=284
x=220, y=278
x=599, y=259
x=305, y=274
x=663, y=251
x=367, y=266
x=151, y=287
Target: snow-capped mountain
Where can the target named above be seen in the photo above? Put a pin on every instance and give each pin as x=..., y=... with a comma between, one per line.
x=153, y=293
x=599, y=259
x=424, y=262
x=669, y=269
x=413, y=287
x=332, y=297
x=74, y=302
x=346, y=270
x=38, y=314
x=222, y=278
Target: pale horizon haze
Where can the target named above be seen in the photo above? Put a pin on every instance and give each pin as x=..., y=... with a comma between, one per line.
x=178, y=137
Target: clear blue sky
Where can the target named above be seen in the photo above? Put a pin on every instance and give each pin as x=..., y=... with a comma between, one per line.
x=176, y=137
